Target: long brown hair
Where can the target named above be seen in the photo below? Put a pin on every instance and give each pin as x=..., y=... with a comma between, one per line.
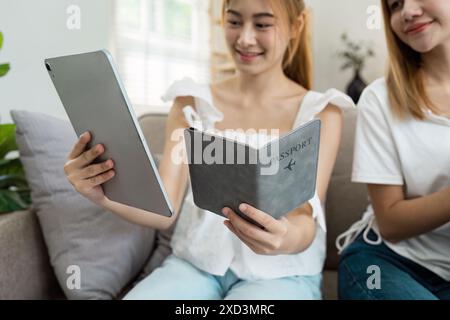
x=405, y=81
x=297, y=61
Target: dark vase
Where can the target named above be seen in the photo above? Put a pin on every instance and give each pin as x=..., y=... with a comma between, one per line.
x=356, y=87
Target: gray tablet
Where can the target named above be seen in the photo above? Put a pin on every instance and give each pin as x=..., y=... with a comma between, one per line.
x=95, y=100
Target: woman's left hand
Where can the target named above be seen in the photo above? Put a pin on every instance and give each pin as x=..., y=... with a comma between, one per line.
x=267, y=241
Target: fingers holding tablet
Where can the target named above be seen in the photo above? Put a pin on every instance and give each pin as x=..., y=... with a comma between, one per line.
x=85, y=175
x=97, y=169
x=80, y=145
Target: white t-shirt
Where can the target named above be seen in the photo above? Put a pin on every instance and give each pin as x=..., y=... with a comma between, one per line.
x=200, y=236
x=411, y=153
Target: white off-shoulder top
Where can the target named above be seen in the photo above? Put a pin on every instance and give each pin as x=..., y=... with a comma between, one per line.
x=200, y=236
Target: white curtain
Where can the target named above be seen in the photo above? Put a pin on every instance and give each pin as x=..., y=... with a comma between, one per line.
x=157, y=42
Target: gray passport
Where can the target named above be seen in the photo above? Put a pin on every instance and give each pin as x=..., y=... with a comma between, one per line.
x=276, y=178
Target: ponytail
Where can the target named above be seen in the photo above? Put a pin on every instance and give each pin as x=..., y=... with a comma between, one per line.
x=297, y=62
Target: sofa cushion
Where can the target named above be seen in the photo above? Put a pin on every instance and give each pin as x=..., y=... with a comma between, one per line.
x=82, y=238
x=25, y=271
x=346, y=201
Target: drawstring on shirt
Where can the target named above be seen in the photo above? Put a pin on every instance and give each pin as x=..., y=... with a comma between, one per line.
x=350, y=235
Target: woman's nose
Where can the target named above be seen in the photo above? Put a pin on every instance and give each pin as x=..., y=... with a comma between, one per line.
x=247, y=36
x=411, y=9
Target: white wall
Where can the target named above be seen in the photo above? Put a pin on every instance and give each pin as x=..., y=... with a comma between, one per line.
x=34, y=30
x=330, y=19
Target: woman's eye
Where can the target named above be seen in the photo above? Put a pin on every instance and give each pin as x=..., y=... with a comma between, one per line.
x=263, y=25
x=234, y=23
x=394, y=5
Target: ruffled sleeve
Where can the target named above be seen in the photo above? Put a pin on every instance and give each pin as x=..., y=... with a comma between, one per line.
x=204, y=114
x=315, y=102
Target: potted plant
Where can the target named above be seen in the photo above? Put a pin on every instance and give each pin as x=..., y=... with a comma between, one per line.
x=354, y=55
x=4, y=68
x=14, y=190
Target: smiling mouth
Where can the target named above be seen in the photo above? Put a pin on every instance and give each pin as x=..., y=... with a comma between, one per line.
x=418, y=28
x=247, y=56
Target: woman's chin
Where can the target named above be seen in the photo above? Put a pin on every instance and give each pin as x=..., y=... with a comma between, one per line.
x=423, y=46
x=250, y=69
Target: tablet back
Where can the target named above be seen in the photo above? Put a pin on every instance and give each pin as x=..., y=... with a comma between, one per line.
x=95, y=100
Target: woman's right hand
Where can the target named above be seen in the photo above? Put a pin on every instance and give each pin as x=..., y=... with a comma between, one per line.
x=85, y=176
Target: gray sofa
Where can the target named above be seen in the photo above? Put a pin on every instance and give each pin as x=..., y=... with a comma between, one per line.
x=25, y=271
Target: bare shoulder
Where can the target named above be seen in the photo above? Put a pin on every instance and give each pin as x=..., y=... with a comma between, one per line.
x=332, y=120
x=331, y=113
x=181, y=102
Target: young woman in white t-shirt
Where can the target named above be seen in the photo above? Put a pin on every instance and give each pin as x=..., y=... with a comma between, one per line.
x=213, y=257
x=402, y=151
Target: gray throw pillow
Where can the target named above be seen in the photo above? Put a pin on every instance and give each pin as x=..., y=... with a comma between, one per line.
x=82, y=238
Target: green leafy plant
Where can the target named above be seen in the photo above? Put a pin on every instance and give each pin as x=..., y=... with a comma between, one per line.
x=14, y=189
x=354, y=54
x=4, y=68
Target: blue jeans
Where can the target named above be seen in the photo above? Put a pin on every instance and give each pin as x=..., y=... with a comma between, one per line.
x=400, y=278
x=178, y=279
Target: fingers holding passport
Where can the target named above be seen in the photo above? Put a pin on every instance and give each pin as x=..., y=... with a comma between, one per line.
x=266, y=241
